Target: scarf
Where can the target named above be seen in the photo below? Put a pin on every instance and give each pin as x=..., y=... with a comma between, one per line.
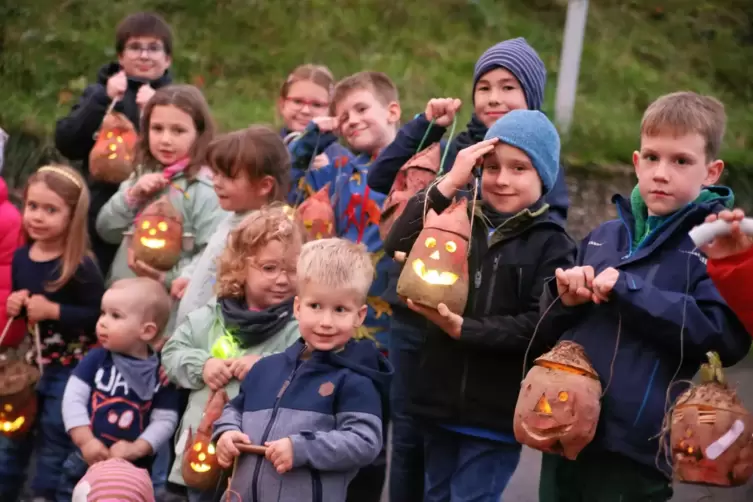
x=139, y=374
x=252, y=328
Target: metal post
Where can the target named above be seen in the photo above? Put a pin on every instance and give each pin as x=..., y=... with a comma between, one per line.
x=572, y=47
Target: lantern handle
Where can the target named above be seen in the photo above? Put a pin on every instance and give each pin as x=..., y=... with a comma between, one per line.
x=5, y=329
x=109, y=110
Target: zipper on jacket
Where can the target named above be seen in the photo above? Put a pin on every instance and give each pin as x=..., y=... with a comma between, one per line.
x=316, y=486
x=490, y=291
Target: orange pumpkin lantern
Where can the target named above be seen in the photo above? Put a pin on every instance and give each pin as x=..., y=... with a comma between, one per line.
x=111, y=159
x=436, y=270
x=18, y=399
x=317, y=215
x=199, y=466
x=559, y=402
x=157, y=238
x=414, y=176
x=711, y=435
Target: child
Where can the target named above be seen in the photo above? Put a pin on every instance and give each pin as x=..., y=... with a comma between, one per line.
x=468, y=381
x=251, y=168
x=11, y=238
x=114, y=404
x=58, y=288
x=114, y=479
x=317, y=407
x=252, y=314
x=177, y=129
x=144, y=45
x=304, y=95
x=642, y=306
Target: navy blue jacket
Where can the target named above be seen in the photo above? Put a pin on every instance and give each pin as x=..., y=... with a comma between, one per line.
x=662, y=286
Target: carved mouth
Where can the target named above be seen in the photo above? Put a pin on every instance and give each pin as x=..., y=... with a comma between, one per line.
x=200, y=468
x=433, y=276
x=153, y=243
x=546, y=434
x=12, y=426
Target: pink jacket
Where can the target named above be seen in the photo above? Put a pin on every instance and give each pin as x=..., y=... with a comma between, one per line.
x=11, y=237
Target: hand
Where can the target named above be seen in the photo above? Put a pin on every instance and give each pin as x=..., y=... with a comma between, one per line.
x=178, y=287
x=448, y=321
x=125, y=450
x=94, y=451
x=241, y=366
x=163, y=379
x=144, y=95
x=321, y=160
x=39, y=308
x=727, y=245
x=117, y=85
x=462, y=170
x=603, y=283
x=217, y=373
x=442, y=110
x=147, y=185
x=280, y=453
x=16, y=302
x=144, y=270
x=574, y=285
x=226, y=450
x=326, y=124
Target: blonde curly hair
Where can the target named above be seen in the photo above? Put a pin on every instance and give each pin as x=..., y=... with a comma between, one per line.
x=270, y=223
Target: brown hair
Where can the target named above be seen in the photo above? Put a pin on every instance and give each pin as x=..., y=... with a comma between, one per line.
x=682, y=113
x=376, y=82
x=269, y=223
x=151, y=298
x=190, y=100
x=258, y=151
x=318, y=74
x=143, y=24
x=68, y=184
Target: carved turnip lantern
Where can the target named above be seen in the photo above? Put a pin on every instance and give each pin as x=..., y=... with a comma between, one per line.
x=317, y=215
x=436, y=270
x=112, y=157
x=157, y=238
x=711, y=436
x=559, y=402
x=199, y=466
x=413, y=177
x=18, y=399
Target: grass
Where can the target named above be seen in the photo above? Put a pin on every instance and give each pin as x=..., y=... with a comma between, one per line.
x=239, y=51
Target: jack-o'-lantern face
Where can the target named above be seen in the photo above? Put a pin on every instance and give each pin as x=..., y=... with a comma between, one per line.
x=203, y=457
x=317, y=215
x=433, y=273
x=111, y=158
x=158, y=235
x=199, y=467
x=10, y=420
x=153, y=233
x=18, y=400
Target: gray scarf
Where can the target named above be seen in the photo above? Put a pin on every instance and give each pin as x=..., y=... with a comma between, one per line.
x=139, y=374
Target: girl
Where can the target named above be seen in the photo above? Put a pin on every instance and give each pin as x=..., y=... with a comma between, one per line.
x=58, y=287
x=251, y=317
x=306, y=94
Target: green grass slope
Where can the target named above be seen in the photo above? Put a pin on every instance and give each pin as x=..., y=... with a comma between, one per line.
x=239, y=51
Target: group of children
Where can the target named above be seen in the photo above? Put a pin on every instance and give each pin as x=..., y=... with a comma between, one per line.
x=296, y=332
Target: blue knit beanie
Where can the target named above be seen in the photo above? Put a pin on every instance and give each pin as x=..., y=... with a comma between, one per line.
x=532, y=132
x=519, y=58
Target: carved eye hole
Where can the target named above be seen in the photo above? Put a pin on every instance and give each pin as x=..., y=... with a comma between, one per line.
x=210, y=449
x=562, y=396
x=162, y=226
x=197, y=446
x=8, y=408
x=145, y=225
x=431, y=242
x=451, y=247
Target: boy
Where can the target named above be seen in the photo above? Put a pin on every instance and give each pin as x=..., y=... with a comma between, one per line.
x=318, y=406
x=114, y=404
x=642, y=306
x=251, y=169
x=144, y=45
x=467, y=383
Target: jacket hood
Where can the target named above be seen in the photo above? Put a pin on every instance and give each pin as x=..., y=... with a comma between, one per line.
x=110, y=69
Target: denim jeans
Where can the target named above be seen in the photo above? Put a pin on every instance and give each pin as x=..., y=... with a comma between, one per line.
x=407, y=460
x=466, y=468
x=48, y=440
x=161, y=467
x=74, y=469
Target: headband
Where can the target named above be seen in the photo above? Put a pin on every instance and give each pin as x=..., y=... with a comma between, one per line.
x=61, y=172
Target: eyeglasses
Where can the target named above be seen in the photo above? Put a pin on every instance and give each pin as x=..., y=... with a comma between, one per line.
x=271, y=271
x=135, y=50
x=299, y=103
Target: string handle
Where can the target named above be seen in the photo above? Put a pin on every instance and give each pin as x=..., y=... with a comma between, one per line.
x=36, y=337
x=447, y=146
x=5, y=330
x=109, y=110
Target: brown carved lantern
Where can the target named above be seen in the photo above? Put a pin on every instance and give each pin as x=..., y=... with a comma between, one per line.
x=199, y=467
x=711, y=435
x=559, y=402
x=414, y=176
x=18, y=398
x=317, y=215
x=436, y=270
x=112, y=156
x=157, y=238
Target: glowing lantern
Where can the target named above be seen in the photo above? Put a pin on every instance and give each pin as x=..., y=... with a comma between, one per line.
x=157, y=238
x=111, y=158
x=317, y=215
x=559, y=402
x=711, y=432
x=199, y=466
x=414, y=176
x=18, y=399
x=436, y=270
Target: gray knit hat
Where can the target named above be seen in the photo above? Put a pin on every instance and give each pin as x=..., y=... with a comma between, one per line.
x=519, y=58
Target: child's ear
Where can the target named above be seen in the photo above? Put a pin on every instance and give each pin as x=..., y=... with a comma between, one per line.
x=713, y=172
x=149, y=331
x=361, y=316
x=297, y=308
x=265, y=186
x=394, y=112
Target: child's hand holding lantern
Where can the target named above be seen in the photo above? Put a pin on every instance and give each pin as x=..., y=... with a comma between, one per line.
x=16, y=301
x=462, y=170
x=280, y=453
x=448, y=321
x=39, y=308
x=141, y=269
x=442, y=110
x=226, y=449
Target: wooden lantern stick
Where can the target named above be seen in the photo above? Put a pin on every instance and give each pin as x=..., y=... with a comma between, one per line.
x=251, y=449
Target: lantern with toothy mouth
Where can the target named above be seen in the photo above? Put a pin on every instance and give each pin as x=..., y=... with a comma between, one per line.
x=157, y=238
x=436, y=270
x=317, y=215
x=18, y=399
x=199, y=467
x=111, y=159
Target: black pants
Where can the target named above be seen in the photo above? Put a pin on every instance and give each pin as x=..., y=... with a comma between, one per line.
x=367, y=485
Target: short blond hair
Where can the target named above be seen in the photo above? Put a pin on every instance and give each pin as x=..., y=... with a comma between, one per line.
x=682, y=113
x=270, y=223
x=338, y=264
x=378, y=83
x=150, y=298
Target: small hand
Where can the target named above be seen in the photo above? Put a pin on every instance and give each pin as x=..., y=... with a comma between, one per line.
x=733, y=243
x=448, y=321
x=442, y=110
x=144, y=270
x=321, y=160
x=603, y=283
x=163, y=379
x=144, y=95
x=326, y=124
x=462, y=170
x=94, y=451
x=147, y=185
x=16, y=301
x=178, y=288
x=39, y=308
x=217, y=373
x=117, y=85
x=241, y=366
x=280, y=453
x=226, y=449
x=125, y=450
x=574, y=285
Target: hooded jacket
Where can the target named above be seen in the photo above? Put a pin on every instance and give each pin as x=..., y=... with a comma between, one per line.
x=11, y=238
x=330, y=405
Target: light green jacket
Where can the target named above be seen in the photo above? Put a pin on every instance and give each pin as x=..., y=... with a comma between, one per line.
x=183, y=358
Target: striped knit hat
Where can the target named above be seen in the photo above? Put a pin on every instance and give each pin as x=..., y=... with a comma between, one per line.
x=519, y=58
x=114, y=480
